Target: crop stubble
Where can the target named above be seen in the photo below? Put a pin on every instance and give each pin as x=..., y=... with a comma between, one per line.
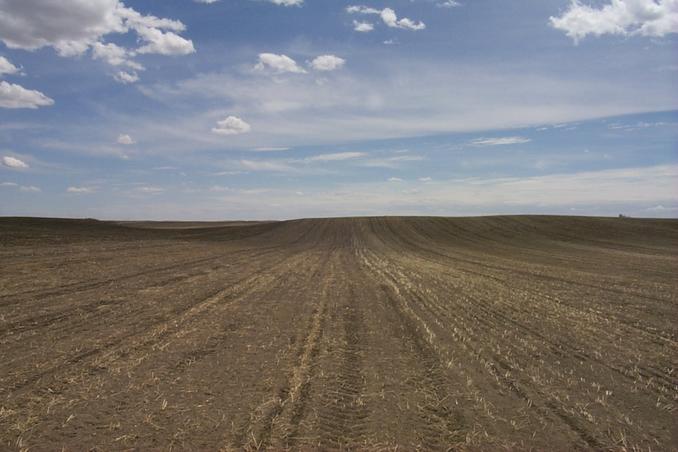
x=431, y=333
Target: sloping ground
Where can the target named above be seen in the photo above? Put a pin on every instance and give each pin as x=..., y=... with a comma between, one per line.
x=472, y=333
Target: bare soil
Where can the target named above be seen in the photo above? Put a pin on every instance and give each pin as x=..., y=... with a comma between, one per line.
x=521, y=332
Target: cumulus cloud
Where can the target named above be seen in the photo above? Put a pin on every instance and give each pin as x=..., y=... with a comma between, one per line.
x=336, y=156
x=499, y=141
x=125, y=139
x=363, y=27
x=164, y=43
x=278, y=64
x=388, y=16
x=114, y=55
x=619, y=17
x=327, y=63
x=13, y=162
x=8, y=184
x=126, y=77
x=394, y=179
x=207, y=2
x=231, y=125
x=16, y=96
x=391, y=19
x=6, y=67
x=72, y=27
x=425, y=179
x=80, y=190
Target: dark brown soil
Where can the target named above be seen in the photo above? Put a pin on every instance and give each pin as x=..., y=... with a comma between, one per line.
x=523, y=332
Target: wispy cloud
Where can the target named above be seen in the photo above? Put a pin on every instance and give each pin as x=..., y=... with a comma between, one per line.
x=270, y=149
x=352, y=106
x=149, y=189
x=336, y=156
x=501, y=141
x=391, y=162
x=81, y=190
x=267, y=165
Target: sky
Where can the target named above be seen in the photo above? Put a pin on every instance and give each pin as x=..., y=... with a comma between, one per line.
x=277, y=109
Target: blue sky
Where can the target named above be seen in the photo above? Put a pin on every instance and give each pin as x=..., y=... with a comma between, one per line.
x=273, y=109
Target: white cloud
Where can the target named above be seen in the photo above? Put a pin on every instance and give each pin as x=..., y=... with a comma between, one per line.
x=164, y=43
x=552, y=193
x=24, y=188
x=16, y=96
x=270, y=149
x=287, y=2
x=125, y=139
x=657, y=208
x=126, y=77
x=448, y=4
x=406, y=95
x=231, y=125
x=6, y=67
x=358, y=9
x=207, y=2
x=114, y=55
x=150, y=190
x=13, y=162
x=278, y=64
x=619, y=17
x=391, y=19
x=388, y=16
x=72, y=27
x=266, y=165
x=327, y=63
x=391, y=162
x=503, y=141
x=362, y=27
x=83, y=190
x=425, y=179
x=336, y=156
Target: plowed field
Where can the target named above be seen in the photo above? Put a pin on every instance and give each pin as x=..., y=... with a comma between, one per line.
x=554, y=333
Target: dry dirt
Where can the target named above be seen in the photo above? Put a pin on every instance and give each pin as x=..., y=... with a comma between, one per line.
x=489, y=333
